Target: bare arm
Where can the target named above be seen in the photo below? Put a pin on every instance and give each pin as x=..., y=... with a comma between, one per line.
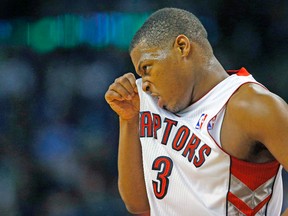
x=261, y=116
x=270, y=125
x=123, y=98
x=131, y=178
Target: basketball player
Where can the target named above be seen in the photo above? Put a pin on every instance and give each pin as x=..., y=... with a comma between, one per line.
x=195, y=139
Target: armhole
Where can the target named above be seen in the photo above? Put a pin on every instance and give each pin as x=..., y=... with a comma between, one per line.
x=215, y=133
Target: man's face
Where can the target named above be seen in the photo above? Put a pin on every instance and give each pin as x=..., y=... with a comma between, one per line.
x=164, y=76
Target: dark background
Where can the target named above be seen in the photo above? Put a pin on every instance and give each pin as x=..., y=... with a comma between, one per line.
x=58, y=137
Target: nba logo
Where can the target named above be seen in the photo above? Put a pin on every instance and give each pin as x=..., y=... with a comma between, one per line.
x=201, y=121
x=211, y=123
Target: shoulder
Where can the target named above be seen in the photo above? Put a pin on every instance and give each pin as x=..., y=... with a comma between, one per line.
x=257, y=110
x=254, y=99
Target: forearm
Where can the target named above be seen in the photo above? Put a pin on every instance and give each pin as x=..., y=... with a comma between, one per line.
x=131, y=177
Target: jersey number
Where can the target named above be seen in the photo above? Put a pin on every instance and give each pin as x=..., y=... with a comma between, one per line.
x=164, y=167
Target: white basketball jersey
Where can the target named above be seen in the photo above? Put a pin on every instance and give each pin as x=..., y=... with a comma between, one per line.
x=186, y=170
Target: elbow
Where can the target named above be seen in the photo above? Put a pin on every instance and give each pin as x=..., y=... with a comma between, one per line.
x=135, y=203
x=135, y=206
x=137, y=209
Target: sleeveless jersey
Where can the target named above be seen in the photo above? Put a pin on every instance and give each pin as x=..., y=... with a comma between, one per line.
x=188, y=173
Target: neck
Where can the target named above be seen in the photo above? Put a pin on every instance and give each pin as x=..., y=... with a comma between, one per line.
x=211, y=74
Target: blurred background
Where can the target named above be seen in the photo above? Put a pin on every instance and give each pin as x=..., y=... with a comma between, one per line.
x=58, y=137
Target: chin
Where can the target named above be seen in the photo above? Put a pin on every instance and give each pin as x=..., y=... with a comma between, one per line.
x=175, y=109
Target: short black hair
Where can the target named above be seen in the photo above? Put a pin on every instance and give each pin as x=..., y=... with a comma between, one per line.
x=164, y=25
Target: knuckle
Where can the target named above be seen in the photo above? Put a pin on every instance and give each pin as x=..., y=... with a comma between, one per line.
x=117, y=80
x=130, y=74
x=120, y=79
x=126, y=77
x=107, y=95
x=111, y=87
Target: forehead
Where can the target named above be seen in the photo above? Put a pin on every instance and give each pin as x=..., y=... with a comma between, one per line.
x=142, y=52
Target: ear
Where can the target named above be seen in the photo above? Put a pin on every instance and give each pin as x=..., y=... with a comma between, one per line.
x=182, y=44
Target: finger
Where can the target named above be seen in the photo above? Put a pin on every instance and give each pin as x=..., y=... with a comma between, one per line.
x=127, y=82
x=132, y=80
x=125, y=85
x=112, y=95
x=122, y=88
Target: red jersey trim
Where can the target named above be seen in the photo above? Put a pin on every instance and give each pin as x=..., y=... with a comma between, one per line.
x=241, y=72
x=250, y=186
x=251, y=174
x=239, y=204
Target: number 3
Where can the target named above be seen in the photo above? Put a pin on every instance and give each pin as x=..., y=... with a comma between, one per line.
x=164, y=167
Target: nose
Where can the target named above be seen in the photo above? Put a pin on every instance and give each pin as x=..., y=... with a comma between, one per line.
x=145, y=87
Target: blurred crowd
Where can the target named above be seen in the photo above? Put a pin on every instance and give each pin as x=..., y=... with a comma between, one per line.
x=58, y=137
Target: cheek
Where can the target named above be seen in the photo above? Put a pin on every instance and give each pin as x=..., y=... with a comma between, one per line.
x=174, y=94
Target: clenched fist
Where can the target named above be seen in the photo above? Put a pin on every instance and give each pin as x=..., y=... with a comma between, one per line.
x=123, y=98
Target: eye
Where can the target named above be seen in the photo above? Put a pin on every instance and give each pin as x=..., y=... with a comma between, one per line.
x=146, y=69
